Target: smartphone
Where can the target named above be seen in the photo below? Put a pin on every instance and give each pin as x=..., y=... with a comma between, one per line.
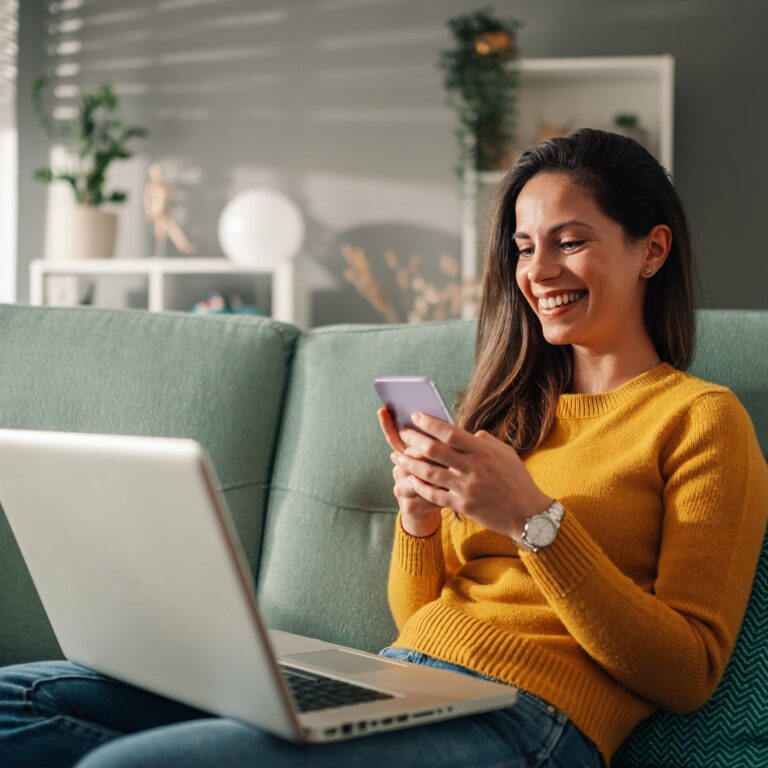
x=404, y=395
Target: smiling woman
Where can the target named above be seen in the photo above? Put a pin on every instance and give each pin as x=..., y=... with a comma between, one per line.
x=596, y=263
x=589, y=528
x=593, y=222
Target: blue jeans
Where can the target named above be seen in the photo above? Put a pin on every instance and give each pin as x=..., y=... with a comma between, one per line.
x=56, y=714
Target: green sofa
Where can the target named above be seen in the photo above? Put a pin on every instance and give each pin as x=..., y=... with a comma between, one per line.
x=289, y=421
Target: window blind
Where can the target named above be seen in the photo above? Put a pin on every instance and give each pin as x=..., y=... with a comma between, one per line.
x=9, y=33
x=9, y=28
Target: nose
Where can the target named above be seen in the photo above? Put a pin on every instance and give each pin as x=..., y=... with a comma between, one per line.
x=544, y=264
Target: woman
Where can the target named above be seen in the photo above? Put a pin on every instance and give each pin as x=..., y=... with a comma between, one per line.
x=588, y=531
x=634, y=595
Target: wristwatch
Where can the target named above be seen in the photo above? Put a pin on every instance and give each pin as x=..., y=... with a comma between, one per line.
x=541, y=530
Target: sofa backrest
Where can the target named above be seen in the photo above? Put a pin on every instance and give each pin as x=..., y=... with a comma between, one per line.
x=218, y=380
x=732, y=349
x=331, y=510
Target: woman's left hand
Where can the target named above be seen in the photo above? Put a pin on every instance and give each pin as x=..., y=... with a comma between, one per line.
x=482, y=477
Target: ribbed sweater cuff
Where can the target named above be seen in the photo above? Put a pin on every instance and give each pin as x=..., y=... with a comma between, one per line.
x=417, y=556
x=561, y=567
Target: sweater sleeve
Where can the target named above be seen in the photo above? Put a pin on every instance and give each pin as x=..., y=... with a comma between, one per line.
x=418, y=569
x=671, y=645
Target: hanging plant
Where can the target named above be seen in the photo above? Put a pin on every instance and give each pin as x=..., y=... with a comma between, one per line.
x=481, y=78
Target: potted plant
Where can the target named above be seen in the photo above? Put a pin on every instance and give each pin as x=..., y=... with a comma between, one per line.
x=481, y=80
x=628, y=124
x=93, y=140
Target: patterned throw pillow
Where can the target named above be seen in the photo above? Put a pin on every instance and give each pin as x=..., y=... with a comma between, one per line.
x=731, y=729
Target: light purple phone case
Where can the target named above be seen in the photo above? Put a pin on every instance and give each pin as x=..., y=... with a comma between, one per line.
x=404, y=395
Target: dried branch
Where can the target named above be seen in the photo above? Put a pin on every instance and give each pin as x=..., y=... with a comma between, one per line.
x=428, y=301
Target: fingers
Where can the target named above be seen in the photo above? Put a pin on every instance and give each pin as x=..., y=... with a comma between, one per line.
x=390, y=431
x=401, y=480
x=412, y=452
x=448, y=434
x=423, y=446
x=434, y=474
x=440, y=497
x=403, y=490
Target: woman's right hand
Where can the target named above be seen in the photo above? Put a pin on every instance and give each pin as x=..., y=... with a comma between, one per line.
x=419, y=517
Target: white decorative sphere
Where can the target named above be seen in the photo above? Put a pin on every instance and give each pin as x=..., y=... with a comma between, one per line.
x=260, y=227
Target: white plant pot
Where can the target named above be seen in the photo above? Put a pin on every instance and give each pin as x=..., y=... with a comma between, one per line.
x=79, y=232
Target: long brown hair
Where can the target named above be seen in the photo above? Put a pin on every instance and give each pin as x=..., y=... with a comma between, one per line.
x=517, y=375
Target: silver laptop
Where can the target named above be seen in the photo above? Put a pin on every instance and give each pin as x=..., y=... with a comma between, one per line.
x=142, y=576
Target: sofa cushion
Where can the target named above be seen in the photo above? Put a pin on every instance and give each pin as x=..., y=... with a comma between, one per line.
x=331, y=510
x=219, y=380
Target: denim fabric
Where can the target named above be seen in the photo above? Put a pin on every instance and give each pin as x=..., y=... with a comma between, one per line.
x=58, y=715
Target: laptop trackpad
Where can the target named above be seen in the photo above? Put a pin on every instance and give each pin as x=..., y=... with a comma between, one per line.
x=336, y=660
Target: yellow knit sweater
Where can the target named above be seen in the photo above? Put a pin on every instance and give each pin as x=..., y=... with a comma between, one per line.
x=638, y=602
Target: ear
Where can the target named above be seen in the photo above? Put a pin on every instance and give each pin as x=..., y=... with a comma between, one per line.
x=657, y=245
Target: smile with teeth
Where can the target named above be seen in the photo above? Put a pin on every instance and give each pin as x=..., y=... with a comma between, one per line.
x=550, y=302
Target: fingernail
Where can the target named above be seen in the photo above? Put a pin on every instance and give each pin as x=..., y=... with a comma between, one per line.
x=411, y=479
x=416, y=417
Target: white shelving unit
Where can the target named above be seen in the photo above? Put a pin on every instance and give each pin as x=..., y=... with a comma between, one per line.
x=174, y=284
x=573, y=93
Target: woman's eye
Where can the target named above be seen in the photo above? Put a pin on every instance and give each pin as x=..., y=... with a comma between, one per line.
x=524, y=252
x=569, y=245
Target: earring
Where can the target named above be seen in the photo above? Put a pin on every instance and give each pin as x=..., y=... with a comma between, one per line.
x=647, y=270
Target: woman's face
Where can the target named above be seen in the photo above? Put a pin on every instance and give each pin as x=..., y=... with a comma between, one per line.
x=576, y=269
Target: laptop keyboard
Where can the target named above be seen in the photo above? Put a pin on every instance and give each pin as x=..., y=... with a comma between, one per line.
x=312, y=692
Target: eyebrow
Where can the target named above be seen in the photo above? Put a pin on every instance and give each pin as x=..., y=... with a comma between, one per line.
x=552, y=230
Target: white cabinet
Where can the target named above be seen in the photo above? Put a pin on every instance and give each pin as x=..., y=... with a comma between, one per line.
x=572, y=93
x=167, y=284
x=590, y=92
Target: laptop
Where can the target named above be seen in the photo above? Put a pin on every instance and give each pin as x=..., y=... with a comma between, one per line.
x=143, y=579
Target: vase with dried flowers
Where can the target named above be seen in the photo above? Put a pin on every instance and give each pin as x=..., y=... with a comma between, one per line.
x=481, y=78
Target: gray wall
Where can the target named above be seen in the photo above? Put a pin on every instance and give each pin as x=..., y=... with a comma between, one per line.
x=338, y=104
x=31, y=147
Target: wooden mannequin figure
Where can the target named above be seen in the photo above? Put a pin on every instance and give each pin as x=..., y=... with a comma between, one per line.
x=157, y=194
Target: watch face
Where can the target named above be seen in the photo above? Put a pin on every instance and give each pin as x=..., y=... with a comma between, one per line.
x=540, y=531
